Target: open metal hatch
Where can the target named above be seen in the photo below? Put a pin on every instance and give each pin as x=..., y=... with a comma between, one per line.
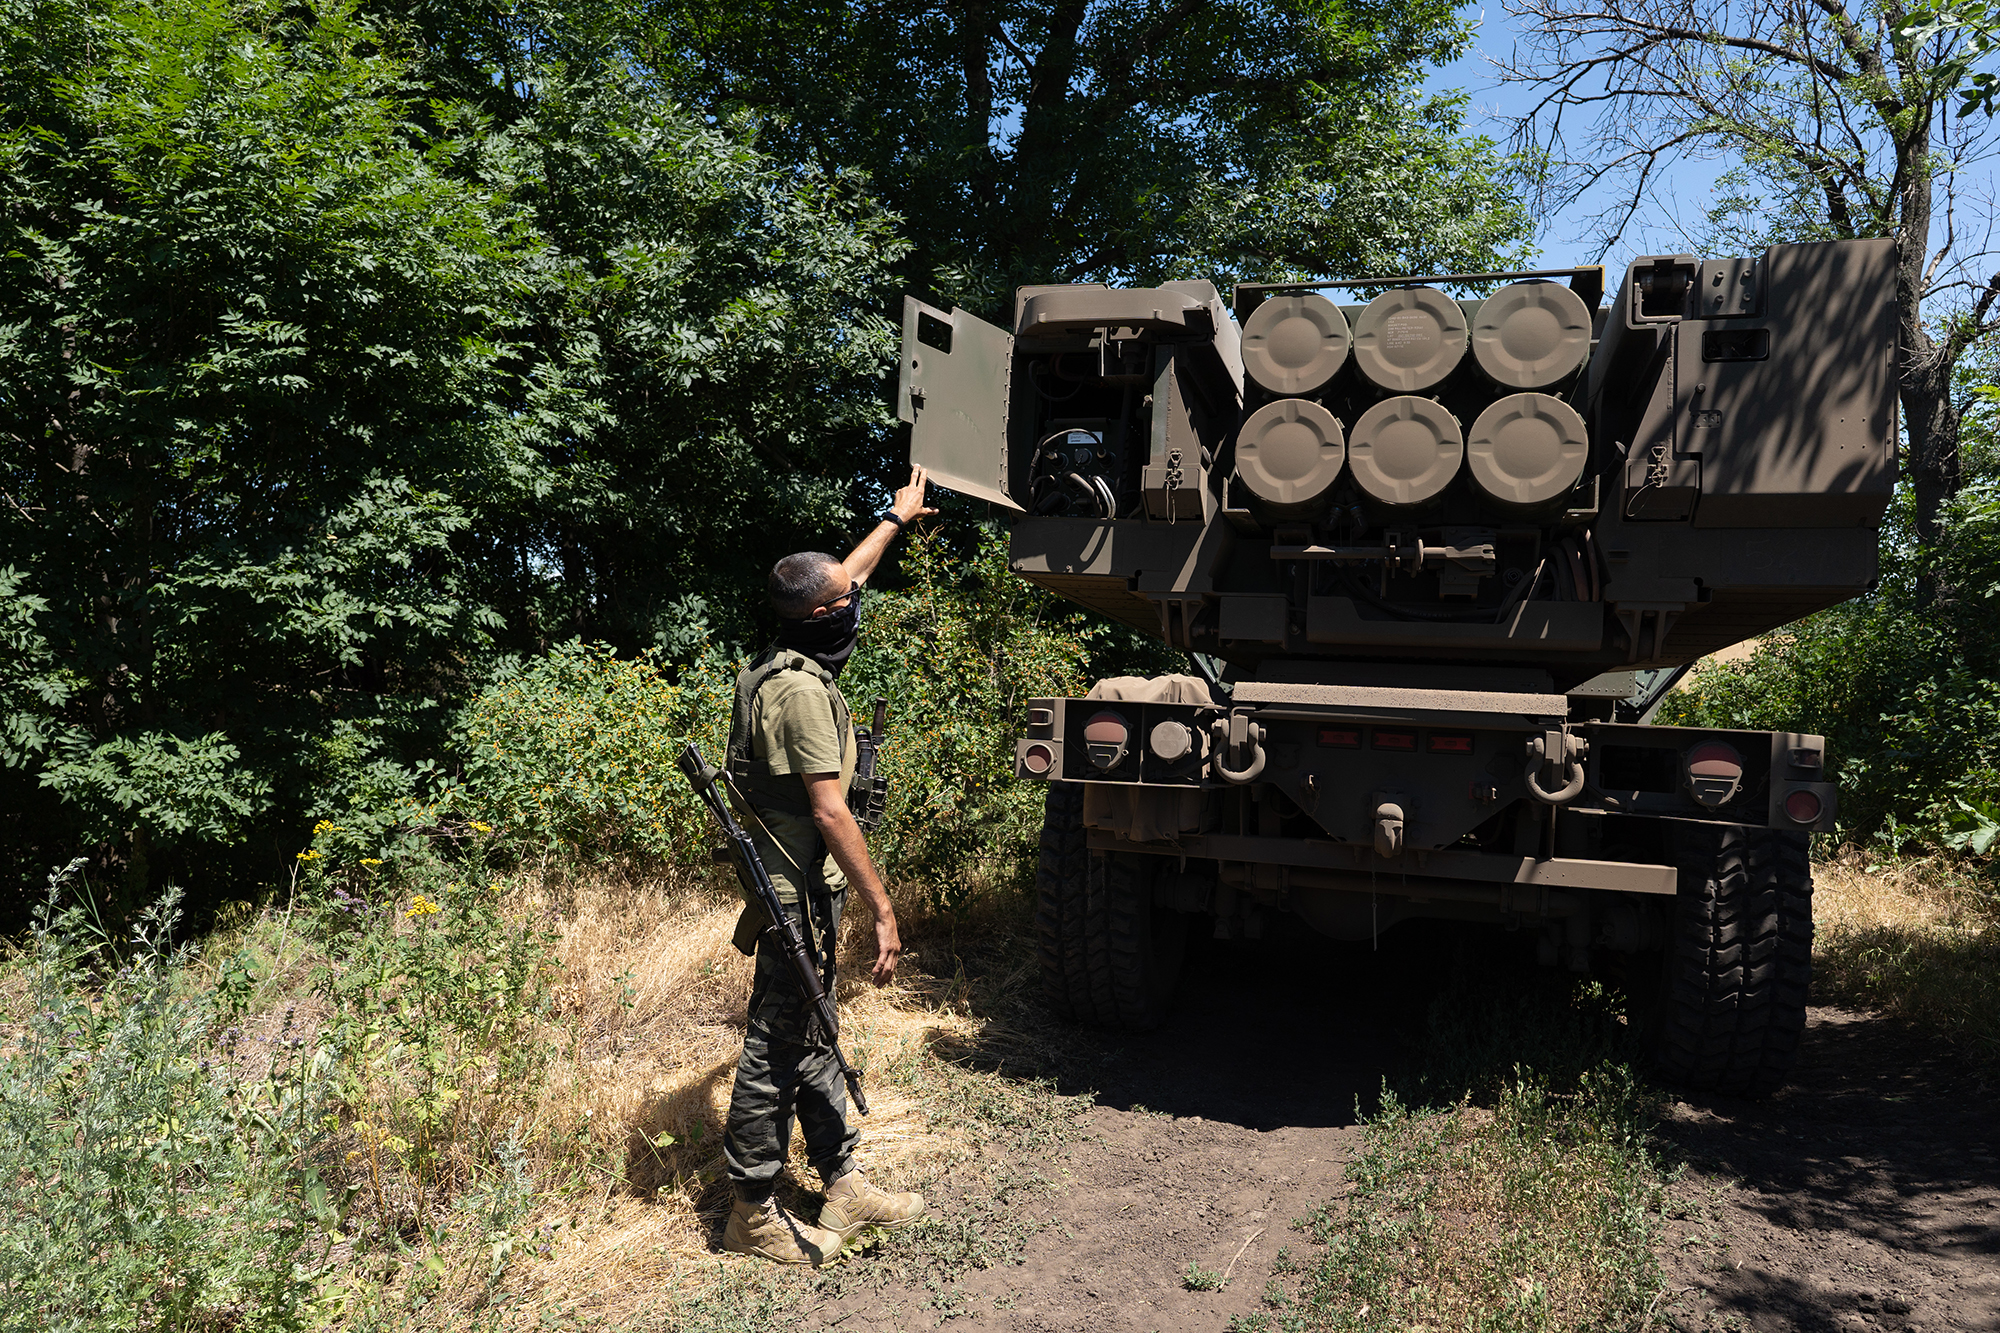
x=952, y=389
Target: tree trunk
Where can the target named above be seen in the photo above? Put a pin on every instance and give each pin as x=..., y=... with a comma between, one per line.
x=1926, y=367
x=1932, y=466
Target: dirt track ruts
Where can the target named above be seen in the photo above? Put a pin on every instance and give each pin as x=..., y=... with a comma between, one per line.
x=1865, y=1195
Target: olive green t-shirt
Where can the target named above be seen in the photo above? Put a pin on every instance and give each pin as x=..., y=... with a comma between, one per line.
x=792, y=728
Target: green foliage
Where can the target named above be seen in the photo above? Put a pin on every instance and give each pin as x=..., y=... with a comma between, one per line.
x=958, y=655
x=1196, y=1278
x=573, y=754
x=436, y=1005
x=153, y=1173
x=1042, y=142
x=576, y=752
x=1978, y=23
x=1904, y=683
x=323, y=393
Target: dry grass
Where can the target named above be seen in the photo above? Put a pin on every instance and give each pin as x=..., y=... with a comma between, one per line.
x=1538, y=1213
x=611, y=1212
x=652, y=1002
x=625, y=1125
x=1917, y=938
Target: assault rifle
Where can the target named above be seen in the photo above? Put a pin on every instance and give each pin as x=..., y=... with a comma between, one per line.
x=870, y=791
x=783, y=930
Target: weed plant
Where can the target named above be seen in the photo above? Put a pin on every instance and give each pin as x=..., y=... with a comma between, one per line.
x=436, y=1001
x=156, y=1169
x=1505, y=1183
x=1196, y=1278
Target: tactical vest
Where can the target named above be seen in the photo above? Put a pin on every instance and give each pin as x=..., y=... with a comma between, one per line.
x=782, y=792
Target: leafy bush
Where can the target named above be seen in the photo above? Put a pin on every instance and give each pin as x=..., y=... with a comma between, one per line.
x=573, y=754
x=1903, y=683
x=154, y=1172
x=576, y=752
x=958, y=654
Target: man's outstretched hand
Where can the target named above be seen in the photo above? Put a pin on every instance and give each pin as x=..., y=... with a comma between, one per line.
x=909, y=503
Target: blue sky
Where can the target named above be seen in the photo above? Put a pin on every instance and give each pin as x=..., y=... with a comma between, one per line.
x=1683, y=191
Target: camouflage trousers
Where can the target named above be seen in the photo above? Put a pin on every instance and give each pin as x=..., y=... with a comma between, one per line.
x=787, y=1070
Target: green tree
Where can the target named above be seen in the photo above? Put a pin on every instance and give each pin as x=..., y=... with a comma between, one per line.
x=317, y=393
x=1840, y=118
x=1081, y=140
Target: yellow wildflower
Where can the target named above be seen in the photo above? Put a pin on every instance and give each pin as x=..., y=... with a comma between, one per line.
x=421, y=907
x=309, y=856
x=483, y=828
x=494, y=886
x=325, y=826
x=371, y=860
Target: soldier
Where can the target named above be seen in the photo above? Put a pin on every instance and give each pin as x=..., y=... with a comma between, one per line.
x=792, y=753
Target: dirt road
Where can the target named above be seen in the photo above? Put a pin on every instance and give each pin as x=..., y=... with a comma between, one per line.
x=1865, y=1196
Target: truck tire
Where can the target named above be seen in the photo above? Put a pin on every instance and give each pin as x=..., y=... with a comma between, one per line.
x=1732, y=1000
x=1108, y=956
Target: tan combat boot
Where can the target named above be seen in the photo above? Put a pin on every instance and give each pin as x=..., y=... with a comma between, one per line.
x=769, y=1232
x=852, y=1204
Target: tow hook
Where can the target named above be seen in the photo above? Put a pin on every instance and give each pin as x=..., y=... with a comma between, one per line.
x=1239, y=741
x=1563, y=753
x=1388, y=829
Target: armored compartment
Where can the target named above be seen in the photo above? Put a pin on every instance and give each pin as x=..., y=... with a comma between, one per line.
x=1433, y=554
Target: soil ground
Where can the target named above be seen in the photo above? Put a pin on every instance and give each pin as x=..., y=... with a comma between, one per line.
x=1865, y=1195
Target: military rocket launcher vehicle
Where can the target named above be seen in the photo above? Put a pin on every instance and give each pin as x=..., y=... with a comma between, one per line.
x=1433, y=555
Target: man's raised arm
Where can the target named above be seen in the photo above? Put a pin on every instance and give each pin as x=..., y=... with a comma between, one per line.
x=908, y=507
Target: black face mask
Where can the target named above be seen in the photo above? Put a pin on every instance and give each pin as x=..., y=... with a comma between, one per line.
x=828, y=639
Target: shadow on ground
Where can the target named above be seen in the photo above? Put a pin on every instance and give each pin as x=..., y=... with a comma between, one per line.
x=1865, y=1194
x=1293, y=1029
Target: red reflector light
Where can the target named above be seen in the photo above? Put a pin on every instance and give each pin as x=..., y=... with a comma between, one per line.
x=1395, y=740
x=1340, y=740
x=1038, y=759
x=1803, y=807
x=1105, y=729
x=1451, y=744
x=1713, y=759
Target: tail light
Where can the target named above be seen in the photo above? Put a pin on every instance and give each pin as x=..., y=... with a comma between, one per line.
x=1395, y=740
x=1038, y=759
x=1804, y=807
x=1714, y=773
x=1105, y=740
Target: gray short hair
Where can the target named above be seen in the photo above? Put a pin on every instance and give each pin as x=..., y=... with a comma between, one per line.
x=801, y=582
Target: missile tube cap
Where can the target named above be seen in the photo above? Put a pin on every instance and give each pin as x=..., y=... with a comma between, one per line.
x=1409, y=339
x=1295, y=342
x=1289, y=454
x=1404, y=451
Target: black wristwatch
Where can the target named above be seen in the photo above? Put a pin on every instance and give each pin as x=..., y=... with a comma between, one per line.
x=890, y=516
